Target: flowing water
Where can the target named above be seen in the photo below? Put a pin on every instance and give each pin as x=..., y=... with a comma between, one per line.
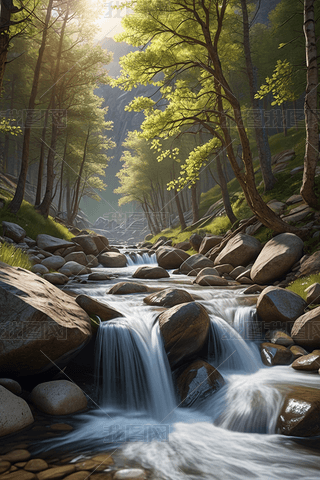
x=231, y=435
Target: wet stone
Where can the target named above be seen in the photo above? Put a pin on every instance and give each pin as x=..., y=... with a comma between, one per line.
x=20, y=475
x=36, y=465
x=56, y=472
x=82, y=475
x=20, y=464
x=90, y=465
x=130, y=474
x=104, y=458
x=17, y=456
x=4, y=466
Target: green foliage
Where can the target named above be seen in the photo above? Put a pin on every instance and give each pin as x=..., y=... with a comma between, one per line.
x=14, y=256
x=33, y=222
x=301, y=284
x=281, y=84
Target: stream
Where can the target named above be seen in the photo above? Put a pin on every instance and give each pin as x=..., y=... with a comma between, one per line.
x=230, y=435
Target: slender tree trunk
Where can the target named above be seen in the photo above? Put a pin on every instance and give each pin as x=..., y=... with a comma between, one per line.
x=261, y=139
x=310, y=107
x=225, y=193
x=7, y=136
x=7, y=8
x=284, y=119
x=61, y=177
x=47, y=199
x=19, y=193
x=194, y=202
x=294, y=103
x=41, y=159
x=76, y=201
x=68, y=199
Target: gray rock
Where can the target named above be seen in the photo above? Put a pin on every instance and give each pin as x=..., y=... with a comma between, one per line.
x=94, y=307
x=240, y=250
x=59, y=397
x=151, y=273
x=112, y=260
x=38, y=268
x=313, y=293
x=211, y=281
x=279, y=305
x=79, y=257
x=306, y=330
x=168, y=298
x=15, y=413
x=126, y=288
x=194, y=262
x=171, y=257
x=56, y=278
x=13, y=231
x=50, y=244
x=75, y=268
x=87, y=243
x=53, y=263
x=12, y=385
x=209, y=242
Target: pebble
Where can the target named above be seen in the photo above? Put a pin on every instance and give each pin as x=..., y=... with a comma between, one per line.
x=20, y=475
x=20, y=464
x=130, y=474
x=36, y=465
x=4, y=466
x=16, y=456
x=56, y=472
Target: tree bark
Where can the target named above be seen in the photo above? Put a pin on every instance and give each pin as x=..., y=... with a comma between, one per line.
x=61, y=175
x=7, y=136
x=225, y=193
x=310, y=107
x=261, y=139
x=194, y=202
x=284, y=120
x=78, y=182
x=41, y=158
x=47, y=199
x=15, y=204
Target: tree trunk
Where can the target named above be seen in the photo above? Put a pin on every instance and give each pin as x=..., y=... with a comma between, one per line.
x=61, y=175
x=294, y=103
x=225, y=193
x=194, y=202
x=47, y=199
x=310, y=107
x=7, y=136
x=261, y=139
x=68, y=199
x=19, y=193
x=284, y=119
x=41, y=159
x=76, y=200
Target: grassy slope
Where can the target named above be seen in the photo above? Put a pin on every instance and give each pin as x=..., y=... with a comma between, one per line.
x=286, y=186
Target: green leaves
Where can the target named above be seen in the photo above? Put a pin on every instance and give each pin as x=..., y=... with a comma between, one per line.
x=281, y=84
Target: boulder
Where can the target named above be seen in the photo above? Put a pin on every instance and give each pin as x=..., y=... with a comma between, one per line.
x=38, y=268
x=51, y=244
x=195, y=261
x=75, y=268
x=98, y=277
x=53, y=263
x=171, y=257
x=74, y=248
x=280, y=338
x=225, y=268
x=56, y=278
x=306, y=330
x=300, y=413
x=59, y=397
x=15, y=413
x=101, y=242
x=308, y=363
x=79, y=257
x=298, y=351
x=126, y=288
x=13, y=231
x=11, y=385
x=272, y=354
x=210, y=281
x=310, y=265
x=195, y=241
x=150, y=272
x=209, y=271
x=279, y=305
x=168, y=298
x=240, y=250
x=159, y=243
x=112, y=260
x=39, y=323
x=197, y=382
x=276, y=258
x=94, y=307
x=184, y=329
x=183, y=246
x=209, y=242
x=254, y=289
x=87, y=244
x=313, y=293
x=92, y=261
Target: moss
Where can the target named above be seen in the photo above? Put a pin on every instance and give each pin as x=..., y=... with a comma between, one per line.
x=301, y=284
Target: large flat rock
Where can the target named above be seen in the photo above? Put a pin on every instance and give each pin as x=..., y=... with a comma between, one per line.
x=51, y=244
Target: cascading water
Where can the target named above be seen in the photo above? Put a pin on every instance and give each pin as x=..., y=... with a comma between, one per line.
x=141, y=259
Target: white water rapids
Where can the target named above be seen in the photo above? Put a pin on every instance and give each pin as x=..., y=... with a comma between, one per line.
x=230, y=435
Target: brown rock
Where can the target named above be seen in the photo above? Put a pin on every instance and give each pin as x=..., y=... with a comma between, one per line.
x=87, y=244
x=306, y=330
x=194, y=262
x=272, y=354
x=183, y=246
x=61, y=427
x=79, y=257
x=209, y=242
x=15, y=456
x=184, y=329
x=309, y=363
x=56, y=473
x=56, y=278
x=313, y=293
x=253, y=289
x=126, y=288
x=36, y=465
x=150, y=272
x=20, y=475
x=112, y=260
x=81, y=475
x=4, y=466
x=171, y=257
x=92, y=261
x=279, y=305
x=104, y=458
x=300, y=413
x=168, y=298
x=225, y=268
x=198, y=381
x=51, y=244
x=298, y=351
x=89, y=465
x=210, y=280
x=240, y=250
x=94, y=307
x=281, y=338
x=99, y=277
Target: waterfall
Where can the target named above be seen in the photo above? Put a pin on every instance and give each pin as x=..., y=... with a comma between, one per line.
x=134, y=367
x=141, y=259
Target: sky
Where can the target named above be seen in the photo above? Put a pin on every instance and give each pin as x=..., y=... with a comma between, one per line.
x=110, y=21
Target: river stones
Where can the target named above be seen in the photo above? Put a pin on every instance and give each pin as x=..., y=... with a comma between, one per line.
x=313, y=293
x=308, y=363
x=210, y=280
x=56, y=473
x=13, y=231
x=280, y=338
x=130, y=474
x=15, y=413
x=240, y=250
x=150, y=273
x=170, y=257
x=94, y=307
x=59, y=397
x=279, y=305
x=36, y=465
x=99, y=277
x=184, y=329
x=53, y=263
x=87, y=244
x=195, y=241
x=300, y=413
x=38, y=268
x=56, y=278
x=12, y=385
x=112, y=260
x=168, y=298
x=51, y=244
x=74, y=268
x=209, y=242
x=306, y=330
x=272, y=354
x=298, y=351
x=198, y=381
x=194, y=262
x=39, y=324
x=78, y=257
x=126, y=288
x=183, y=246
x=276, y=258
